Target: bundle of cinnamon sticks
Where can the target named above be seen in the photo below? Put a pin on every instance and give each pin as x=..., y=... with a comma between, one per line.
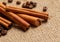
x=24, y=18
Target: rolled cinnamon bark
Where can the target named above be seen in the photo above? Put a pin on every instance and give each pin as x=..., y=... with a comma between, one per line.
x=16, y=10
x=30, y=19
x=6, y=21
x=16, y=19
x=3, y=6
x=25, y=11
x=4, y=24
x=44, y=13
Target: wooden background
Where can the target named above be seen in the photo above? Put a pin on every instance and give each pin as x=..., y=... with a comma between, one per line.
x=47, y=32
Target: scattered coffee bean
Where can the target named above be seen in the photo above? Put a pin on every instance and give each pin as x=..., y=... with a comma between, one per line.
x=0, y=34
x=10, y=1
x=4, y=32
x=4, y=3
x=27, y=3
x=24, y=5
x=34, y=4
x=31, y=6
x=27, y=6
x=44, y=9
x=1, y=28
x=31, y=2
x=18, y=2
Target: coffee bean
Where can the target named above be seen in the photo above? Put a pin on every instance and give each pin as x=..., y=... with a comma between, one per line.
x=4, y=3
x=4, y=32
x=10, y=1
x=27, y=6
x=24, y=5
x=27, y=3
x=0, y=34
x=18, y=2
x=31, y=2
x=31, y=6
x=1, y=28
x=34, y=4
x=44, y=9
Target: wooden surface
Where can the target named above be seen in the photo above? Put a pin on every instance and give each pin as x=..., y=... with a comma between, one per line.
x=47, y=32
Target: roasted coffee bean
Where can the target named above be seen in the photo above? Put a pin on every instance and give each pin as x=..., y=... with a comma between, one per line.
x=31, y=2
x=27, y=3
x=31, y=6
x=34, y=4
x=44, y=9
x=1, y=28
x=0, y=34
x=24, y=5
x=27, y=6
x=10, y=1
x=4, y=32
x=4, y=3
x=18, y=2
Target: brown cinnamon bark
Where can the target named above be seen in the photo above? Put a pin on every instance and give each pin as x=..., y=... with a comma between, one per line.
x=3, y=6
x=26, y=11
x=30, y=19
x=44, y=13
x=6, y=21
x=16, y=19
x=18, y=10
x=4, y=24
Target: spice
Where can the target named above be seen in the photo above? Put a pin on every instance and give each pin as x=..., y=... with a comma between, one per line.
x=25, y=11
x=22, y=17
x=16, y=19
x=30, y=19
x=6, y=23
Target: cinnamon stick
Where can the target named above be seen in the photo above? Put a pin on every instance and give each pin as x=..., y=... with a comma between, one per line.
x=4, y=24
x=30, y=19
x=44, y=13
x=18, y=10
x=25, y=11
x=16, y=19
x=3, y=6
x=5, y=20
